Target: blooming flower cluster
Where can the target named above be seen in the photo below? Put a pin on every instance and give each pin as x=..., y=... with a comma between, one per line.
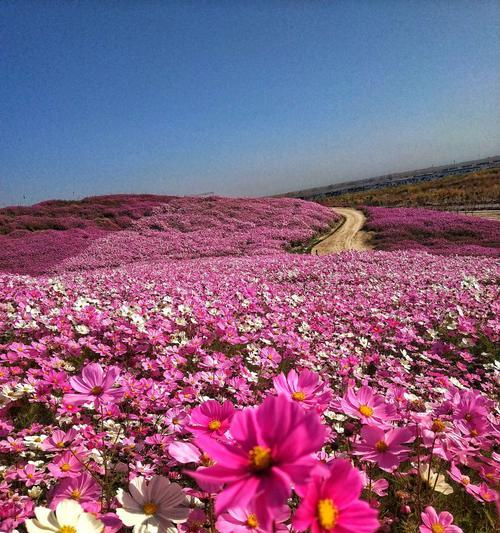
x=350, y=393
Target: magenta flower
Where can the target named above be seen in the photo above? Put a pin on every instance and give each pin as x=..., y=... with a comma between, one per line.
x=369, y=407
x=30, y=475
x=238, y=520
x=304, y=388
x=384, y=447
x=211, y=418
x=272, y=452
x=82, y=489
x=95, y=385
x=434, y=523
x=332, y=504
x=66, y=465
x=59, y=440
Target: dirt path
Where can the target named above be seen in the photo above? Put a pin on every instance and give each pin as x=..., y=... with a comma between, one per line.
x=347, y=236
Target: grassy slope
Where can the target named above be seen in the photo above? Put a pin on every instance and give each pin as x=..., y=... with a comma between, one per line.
x=468, y=190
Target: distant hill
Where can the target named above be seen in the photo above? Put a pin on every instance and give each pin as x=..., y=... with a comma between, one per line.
x=477, y=189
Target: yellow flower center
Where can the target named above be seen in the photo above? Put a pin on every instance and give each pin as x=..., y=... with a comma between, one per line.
x=437, y=528
x=299, y=396
x=175, y=421
x=65, y=467
x=474, y=432
x=29, y=476
x=260, y=458
x=60, y=444
x=365, y=410
x=252, y=521
x=214, y=425
x=67, y=529
x=96, y=391
x=75, y=494
x=328, y=514
x=150, y=508
x=438, y=426
x=381, y=446
x=206, y=460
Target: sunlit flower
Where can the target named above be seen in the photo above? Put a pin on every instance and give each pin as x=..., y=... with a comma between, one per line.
x=434, y=523
x=211, y=418
x=152, y=506
x=304, y=388
x=68, y=517
x=95, y=385
x=331, y=504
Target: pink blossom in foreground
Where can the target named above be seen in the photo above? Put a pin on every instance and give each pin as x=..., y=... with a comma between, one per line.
x=82, y=489
x=95, y=385
x=272, y=452
x=211, y=418
x=434, y=523
x=332, y=504
x=368, y=406
x=304, y=388
x=384, y=447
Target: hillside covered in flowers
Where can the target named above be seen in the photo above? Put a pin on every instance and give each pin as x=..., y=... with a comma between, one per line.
x=219, y=384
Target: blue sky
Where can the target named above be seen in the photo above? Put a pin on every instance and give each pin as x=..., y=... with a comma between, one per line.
x=239, y=97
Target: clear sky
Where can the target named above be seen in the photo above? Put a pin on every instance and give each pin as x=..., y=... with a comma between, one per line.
x=243, y=97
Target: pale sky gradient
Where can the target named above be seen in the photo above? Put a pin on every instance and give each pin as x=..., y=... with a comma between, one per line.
x=240, y=97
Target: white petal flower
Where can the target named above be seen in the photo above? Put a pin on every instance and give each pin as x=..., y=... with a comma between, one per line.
x=436, y=481
x=154, y=506
x=68, y=517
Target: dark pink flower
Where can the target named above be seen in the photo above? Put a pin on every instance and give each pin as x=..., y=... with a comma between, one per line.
x=272, y=451
x=211, y=418
x=331, y=504
x=384, y=447
x=368, y=406
x=304, y=388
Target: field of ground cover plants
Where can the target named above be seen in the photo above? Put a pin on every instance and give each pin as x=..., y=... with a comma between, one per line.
x=224, y=385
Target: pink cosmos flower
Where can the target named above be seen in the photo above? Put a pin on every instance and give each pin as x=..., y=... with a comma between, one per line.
x=59, y=440
x=332, y=505
x=238, y=520
x=30, y=475
x=304, y=388
x=82, y=489
x=95, y=385
x=434, y=523
x=369, y=407
x=272, y=452
x=464, y=480
x=66, y=465
x=211, y=418
x=384, y=447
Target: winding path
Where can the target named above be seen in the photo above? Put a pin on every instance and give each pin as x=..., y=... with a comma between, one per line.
x=346, y=236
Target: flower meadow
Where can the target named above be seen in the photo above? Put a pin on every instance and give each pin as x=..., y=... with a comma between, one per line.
x=111, y=231
x=432, y=231
x=352, y=393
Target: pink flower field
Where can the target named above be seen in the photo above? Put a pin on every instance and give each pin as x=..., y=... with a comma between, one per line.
x=182, y=372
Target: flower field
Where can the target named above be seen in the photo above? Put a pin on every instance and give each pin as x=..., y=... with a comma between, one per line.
x=437, y=232
x=152, y=389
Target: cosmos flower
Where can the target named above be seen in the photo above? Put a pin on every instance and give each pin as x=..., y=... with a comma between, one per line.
x=82, y=489
x=272, y=452
x=384, y=447
x=211, y=418
x=368, y=406
x=95, y=385
x=331, y=504
x=238, y=520
x=304, y=388
x=434, y=523
x=68, y=517
x=152, y=506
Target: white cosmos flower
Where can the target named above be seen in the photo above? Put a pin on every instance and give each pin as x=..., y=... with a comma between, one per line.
x=154, y=506
x=436, y=481
x=68, y=517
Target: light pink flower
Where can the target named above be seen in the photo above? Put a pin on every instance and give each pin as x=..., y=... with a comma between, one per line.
x=434, y=523
x=82, y=489
x=238, y=520
x=95, y=385
x=331, y=504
